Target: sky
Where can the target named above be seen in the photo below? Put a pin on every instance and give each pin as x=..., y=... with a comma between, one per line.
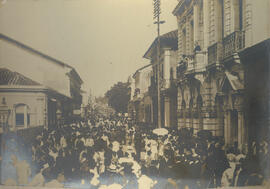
x=104, y=40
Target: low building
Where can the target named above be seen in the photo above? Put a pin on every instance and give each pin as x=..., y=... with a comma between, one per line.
x=35, y=87
x=140, y=105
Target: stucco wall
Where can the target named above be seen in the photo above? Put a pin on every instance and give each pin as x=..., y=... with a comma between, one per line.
x=39, y=69
x=36, y=103
x=256, y=21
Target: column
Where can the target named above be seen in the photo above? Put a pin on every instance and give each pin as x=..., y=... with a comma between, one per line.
x=227, y=17
x=167, y=112
x=200, y=119
x=188, y=37
x=248, y=22
x=13, y=126
x=167, y=66
x=241, y=131
x=227, y=127
x=25, y=117
x=235, y=15
x=196, y=22
x=195, y=121
x=220, y=119
x=205, y=24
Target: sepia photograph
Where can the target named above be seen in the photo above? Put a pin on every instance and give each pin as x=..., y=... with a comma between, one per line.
x=134, y=94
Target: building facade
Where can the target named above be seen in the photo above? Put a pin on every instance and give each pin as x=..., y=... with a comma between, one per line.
x=41, y=88
x=214, y=79
x=141, y=105
x=167, y=76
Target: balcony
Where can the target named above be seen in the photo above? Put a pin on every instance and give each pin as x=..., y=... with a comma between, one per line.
x=214, y=54
x=233, y=43
x=181, y=68
x=196, y=63
x=190, y=64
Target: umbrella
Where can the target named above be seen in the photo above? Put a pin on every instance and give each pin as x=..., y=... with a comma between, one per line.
x=125, y=160
x=160, y=131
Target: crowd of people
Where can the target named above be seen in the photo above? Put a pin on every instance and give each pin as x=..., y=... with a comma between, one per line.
x=115, y=153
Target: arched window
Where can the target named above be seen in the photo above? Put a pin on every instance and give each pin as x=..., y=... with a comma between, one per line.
x=22, y=116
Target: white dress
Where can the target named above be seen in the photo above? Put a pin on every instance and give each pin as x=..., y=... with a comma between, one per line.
x=38, y=180
x=23, y=172
x=144, y=182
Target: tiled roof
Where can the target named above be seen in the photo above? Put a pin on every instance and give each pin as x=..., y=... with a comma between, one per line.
x=8, y=77
x=169, y=39
x=234, y=81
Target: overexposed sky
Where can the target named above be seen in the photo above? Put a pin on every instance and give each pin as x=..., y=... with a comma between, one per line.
x=104, y=40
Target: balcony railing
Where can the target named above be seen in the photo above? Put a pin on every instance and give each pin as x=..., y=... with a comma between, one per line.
x=190, y=64
x=214, y=54
x=181, y=68
x=233, y=43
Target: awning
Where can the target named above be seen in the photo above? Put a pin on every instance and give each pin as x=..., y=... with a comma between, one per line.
x=234, y=81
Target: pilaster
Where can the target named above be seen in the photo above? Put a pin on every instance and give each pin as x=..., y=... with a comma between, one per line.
x=206, y=24
x=227, y=128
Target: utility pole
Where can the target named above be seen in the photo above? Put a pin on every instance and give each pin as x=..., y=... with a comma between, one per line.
x=157, y=12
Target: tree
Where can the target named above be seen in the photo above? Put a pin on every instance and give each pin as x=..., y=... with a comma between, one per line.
x=118, y=97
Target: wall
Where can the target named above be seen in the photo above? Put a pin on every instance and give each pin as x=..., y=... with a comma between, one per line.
x=36, y=101
x=143, y=80
x=35, y=67
x=256, y=21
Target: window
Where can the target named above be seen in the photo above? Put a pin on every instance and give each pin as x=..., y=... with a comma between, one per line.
x=20, y=119
x=22, y=115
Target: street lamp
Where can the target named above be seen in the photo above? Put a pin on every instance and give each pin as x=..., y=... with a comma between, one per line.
x=157, y=12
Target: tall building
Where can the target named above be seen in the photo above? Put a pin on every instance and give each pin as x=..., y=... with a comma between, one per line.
x=223, y=68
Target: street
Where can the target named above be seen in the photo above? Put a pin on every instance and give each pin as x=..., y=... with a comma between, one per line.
x=102, y=152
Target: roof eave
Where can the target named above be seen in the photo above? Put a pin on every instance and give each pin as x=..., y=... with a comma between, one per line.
x=148, y=54
x=32, y=50
x=175, y=11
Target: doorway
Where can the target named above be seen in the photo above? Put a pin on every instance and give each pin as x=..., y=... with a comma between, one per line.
x=234, y=126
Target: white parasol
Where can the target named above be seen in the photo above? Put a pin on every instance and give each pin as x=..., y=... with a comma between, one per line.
x=125, y=160
x=160, y=131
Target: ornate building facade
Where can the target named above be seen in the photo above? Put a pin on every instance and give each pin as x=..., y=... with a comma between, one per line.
x=212, y=72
